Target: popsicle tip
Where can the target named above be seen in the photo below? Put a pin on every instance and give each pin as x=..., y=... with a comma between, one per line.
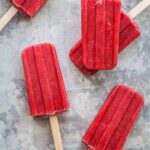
x=141, y=97
x=29, y=47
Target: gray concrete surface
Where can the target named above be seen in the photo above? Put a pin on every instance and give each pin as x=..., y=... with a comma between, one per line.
x=59, y=23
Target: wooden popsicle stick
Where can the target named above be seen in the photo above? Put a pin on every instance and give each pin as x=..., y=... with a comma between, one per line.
x=56, y=133
x=7, y=17
x=139, y=8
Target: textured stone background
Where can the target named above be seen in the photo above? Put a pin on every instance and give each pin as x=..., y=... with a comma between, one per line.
x=59, y=22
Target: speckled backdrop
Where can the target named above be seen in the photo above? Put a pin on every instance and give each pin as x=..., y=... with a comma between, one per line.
x=59, y=22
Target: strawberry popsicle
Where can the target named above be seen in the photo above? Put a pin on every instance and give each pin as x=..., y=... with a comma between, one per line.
x=129, y=31
x=115, y=120
x=26, y=7
x=100, y=33
x=46, y=91
x=45, y=87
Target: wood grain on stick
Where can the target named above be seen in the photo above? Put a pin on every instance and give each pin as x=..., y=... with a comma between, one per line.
x=7, y=17
x=56, y=133
x=139, y=8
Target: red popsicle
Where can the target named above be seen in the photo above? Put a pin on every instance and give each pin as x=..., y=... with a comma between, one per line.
x=129, y=31
x=115, y=120
x=100, y=33
x=46, y=90
x=45, y=87
x=28, y=7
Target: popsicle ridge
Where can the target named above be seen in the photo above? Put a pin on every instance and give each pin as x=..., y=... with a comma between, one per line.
x=60, y=81
x=112, y=28
x=100, y=40
x=43, y=78
x=89, y=33
x=31, y=74
x=117, y=12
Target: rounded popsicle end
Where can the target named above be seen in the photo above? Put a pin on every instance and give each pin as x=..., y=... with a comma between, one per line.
x=29, y=48
x=139, y=96
x=101, y=67
x=75, y=48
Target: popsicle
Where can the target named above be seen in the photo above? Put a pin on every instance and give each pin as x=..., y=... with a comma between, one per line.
x=100, y=33
x=26, y=7
x=76, y=51
x=115, y=120
x=129, y=31
x=45, y=87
